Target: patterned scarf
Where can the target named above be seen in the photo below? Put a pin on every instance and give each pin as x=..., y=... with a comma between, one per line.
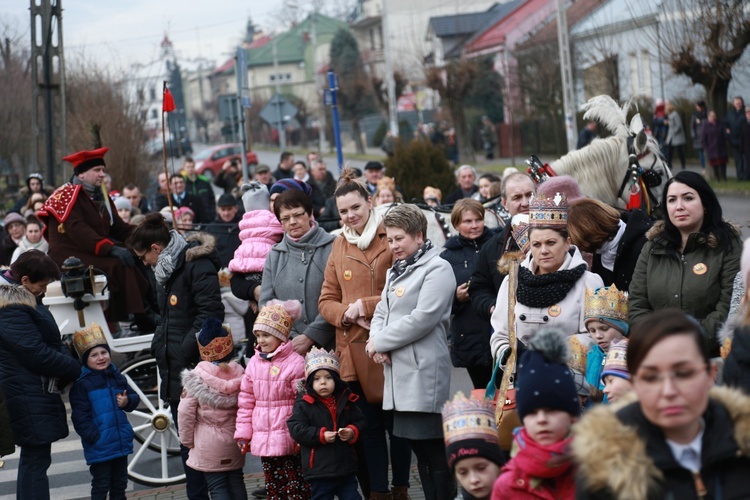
x=545, y=290
x=168, y=257
x=400, y=265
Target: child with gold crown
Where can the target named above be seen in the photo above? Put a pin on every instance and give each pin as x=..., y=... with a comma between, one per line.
x=98, y=400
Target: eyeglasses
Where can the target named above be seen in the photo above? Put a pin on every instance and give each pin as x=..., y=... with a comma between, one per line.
x=142, y=257
x=288, y=218
x=681, y=379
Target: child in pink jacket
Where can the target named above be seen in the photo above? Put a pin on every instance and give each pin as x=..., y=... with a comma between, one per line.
x=208, y=410
x=260, y=230
x=266, y=401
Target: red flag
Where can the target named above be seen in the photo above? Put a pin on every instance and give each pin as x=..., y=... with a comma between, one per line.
x=635, y=200
x=168, y=104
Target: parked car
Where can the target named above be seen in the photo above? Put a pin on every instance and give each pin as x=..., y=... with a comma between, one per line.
x=209, y=161
x=154, y=147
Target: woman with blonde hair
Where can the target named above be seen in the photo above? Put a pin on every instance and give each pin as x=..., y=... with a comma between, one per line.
x=354, y=279
x=615, y=239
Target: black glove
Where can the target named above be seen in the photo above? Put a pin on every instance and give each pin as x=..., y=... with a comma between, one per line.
x=123, y=255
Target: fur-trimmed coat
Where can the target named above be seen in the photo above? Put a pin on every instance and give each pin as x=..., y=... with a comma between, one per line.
x=698, y=281
x=190, y=295
x=622, y=455
x=207, y=414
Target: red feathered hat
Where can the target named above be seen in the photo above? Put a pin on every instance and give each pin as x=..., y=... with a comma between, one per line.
x=86, y=160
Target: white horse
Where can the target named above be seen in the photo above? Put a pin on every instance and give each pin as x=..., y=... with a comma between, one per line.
x=601, y=167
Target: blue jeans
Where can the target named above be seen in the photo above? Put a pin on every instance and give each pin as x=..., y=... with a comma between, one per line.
x=345, y=488
x=109, y=477
x=378, y=422
x=195, y=481
x=227, y=485
x=32, y=472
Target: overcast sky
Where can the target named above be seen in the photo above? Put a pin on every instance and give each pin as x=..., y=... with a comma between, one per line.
x=120, y=32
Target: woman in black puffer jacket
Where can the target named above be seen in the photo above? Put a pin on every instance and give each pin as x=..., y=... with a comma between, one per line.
x=188, y=292
x=31, y=358
x=469, y=334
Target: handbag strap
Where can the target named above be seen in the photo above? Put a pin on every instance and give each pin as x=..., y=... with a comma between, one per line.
x=510, y=365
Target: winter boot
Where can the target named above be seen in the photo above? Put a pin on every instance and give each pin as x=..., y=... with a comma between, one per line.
x=400, y=493
x=374, y=495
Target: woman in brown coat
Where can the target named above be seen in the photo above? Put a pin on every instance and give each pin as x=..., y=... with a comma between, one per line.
x=354, y=279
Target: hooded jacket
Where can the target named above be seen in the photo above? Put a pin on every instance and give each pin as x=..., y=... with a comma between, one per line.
x=260, y=230
x=698, y=281
x=31, y=353
x=469, y=333
x=104, y=428
x=296, y=270
x=353, y=274
x=207, y=415
x=568, y=314
x=620, y=454
x=311, y=418
x=190, y=295
x=266, y=400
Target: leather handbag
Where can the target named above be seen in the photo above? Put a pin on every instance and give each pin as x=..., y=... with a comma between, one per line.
x=370, y=374
x=508, y=419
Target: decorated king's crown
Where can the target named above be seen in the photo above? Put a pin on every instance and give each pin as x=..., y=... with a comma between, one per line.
x=548, y=213
x=88, y=338
x=318, y=359
x=606, y=302
x=468, y=418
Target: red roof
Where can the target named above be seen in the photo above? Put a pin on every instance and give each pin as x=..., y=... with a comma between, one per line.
x=512, y=27
x=259, y=42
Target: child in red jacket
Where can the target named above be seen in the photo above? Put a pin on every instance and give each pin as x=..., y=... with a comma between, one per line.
x=547, y=403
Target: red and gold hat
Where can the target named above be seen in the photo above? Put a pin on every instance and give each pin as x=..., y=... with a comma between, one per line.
x=86, y=160
x=215, y=342
x=86, y=339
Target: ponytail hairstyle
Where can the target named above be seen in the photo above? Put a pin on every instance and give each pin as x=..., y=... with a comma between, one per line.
x=152, y=230
x=349, y=182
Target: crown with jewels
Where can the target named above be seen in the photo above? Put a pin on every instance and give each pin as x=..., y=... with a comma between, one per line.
x=318, y=359
x=606, y=302
x=88, y=338
x=520, y=229
x=468, y=418
x=548, y=213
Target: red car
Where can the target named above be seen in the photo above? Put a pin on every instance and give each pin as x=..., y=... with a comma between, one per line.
x=209, y=161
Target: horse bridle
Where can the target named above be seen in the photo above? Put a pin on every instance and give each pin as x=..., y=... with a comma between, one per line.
x=635, y=171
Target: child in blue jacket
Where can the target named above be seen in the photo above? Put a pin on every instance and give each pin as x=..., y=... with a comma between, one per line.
x=99, y=399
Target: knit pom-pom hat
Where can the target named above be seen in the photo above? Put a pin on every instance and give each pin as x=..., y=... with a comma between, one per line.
x=255, y=197
x=277, y=318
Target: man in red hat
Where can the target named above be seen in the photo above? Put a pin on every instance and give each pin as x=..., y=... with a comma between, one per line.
x=81, y=221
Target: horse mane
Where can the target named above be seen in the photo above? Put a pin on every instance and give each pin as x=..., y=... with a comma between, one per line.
x=596, y=168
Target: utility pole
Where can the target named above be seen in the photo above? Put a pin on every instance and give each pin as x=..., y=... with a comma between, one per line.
x=566, y=71
x=390, y=82
x=280, y=122
x=45, y=15
x=319, y=81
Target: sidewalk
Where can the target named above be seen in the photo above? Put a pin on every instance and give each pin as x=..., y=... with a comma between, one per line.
x=252, y=482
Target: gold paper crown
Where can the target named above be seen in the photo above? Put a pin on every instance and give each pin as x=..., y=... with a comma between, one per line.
x=606, y=302
x=317, y=359
x=548, y=213
x=274, y=319
x=219, y=347
x=88, y=338
x=616, y=362
x=578, y=353
x=468, y=418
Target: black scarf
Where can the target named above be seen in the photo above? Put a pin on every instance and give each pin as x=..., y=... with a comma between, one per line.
x=546, y=289
x=400, y=265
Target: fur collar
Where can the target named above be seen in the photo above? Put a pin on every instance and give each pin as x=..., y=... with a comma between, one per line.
x=206, y=245
x=214, y=386
x=612, y=455
x=658, y=228
x=16, y=295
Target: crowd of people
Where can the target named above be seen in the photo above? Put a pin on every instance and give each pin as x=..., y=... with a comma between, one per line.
x=615, y=331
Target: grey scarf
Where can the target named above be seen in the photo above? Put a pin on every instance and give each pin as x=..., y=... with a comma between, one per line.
x=168, y=257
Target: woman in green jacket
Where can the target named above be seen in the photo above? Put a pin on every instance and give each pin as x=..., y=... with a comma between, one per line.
x=691, y=257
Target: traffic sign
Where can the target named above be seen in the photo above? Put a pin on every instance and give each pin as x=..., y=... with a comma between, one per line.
x=278, y=107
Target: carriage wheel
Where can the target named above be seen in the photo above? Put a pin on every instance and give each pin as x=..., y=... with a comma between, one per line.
x=156, y=462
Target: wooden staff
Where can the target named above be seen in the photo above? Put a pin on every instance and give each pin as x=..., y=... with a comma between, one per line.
x=164, y=156
x=510, y=365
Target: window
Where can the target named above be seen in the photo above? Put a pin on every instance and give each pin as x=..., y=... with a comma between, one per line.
x=154, y=114
x=152, y=94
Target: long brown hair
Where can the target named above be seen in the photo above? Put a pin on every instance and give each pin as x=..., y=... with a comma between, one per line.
x=591, y=223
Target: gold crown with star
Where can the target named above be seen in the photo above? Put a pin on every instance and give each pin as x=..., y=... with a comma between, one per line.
x=606, y=302
x=88, y=338
x=468, y=418
x=318, y=359
x=548, y=212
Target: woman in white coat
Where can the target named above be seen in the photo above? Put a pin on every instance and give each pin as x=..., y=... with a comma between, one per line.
x=552, y=280
x=409, y=334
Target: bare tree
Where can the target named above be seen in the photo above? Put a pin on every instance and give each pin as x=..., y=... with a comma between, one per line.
x=454, y=82
x=381, y=88
x=15, y=99
x=704, y=40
